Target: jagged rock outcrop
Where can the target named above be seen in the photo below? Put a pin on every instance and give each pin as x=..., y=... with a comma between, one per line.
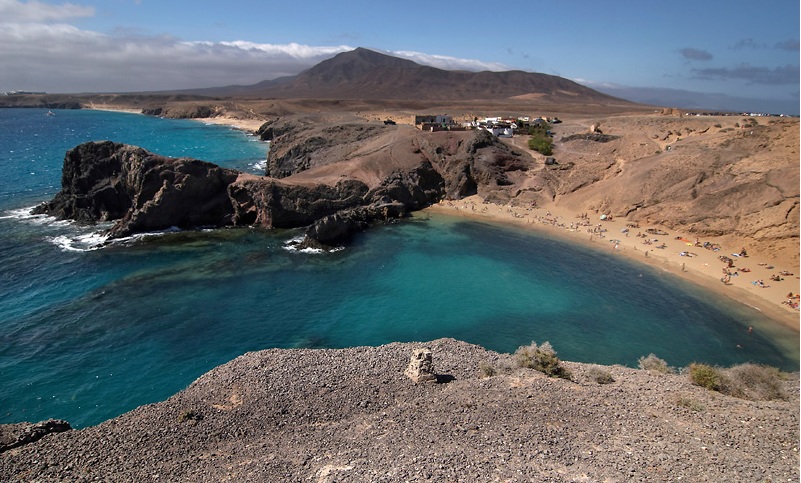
x=272, y=204
x=141, y=191
x=468, y=162
x=473, y=162
x=106, y=181
x=179, y=110
x=302, y=144
x=16, y=435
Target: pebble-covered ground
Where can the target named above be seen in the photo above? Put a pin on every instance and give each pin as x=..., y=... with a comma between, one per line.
x=352, y=415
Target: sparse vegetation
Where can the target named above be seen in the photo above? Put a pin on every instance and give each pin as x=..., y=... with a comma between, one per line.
x=654, y=364
x=190, y=416
x=541, y=358
x=754, y=381
x=485, y=369
x=706, y=376
x=601, y=376
x=540, y=140
x=690, y=404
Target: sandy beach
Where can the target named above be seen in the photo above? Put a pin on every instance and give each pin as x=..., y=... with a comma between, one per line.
x=697, y=264
x=251, y=125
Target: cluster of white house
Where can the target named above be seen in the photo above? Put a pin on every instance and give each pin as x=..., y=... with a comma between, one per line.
x=498, y=126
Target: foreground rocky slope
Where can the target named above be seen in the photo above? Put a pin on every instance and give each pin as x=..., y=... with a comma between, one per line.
x=352, y=415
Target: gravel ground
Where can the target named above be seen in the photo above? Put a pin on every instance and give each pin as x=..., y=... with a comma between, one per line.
x=352, y=415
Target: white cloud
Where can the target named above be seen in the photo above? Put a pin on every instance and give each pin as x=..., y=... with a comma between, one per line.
x=449, y=63
x=62, y=58
x=40, y=51
x=35, y=11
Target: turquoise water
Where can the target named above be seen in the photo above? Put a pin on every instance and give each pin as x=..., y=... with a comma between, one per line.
x=87, y=335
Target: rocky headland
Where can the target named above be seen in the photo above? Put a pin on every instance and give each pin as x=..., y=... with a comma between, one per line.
x=334, y=178
x=356, y=415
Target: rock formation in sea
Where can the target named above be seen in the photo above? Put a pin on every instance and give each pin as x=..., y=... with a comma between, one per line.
x=334, y=188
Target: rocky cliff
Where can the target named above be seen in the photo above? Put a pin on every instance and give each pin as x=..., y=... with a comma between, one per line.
x=336, y=179
x=354, y=415
x=141, y=191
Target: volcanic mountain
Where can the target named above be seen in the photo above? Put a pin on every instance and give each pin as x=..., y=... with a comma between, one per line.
x=369, y=75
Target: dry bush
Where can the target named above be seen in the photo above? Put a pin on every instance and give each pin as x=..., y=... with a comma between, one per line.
x=485, y=369
x=754, y=381
x=690, y=404
x=654, y=364
x=600, y=375
x=541, y=358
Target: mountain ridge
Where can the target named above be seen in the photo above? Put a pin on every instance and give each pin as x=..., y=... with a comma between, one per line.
x=369, y=75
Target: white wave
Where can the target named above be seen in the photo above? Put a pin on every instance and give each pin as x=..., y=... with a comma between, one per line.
x=142, y=236
x=292, y=245
x=259, y=165
x=80, y=243
x=26, y=215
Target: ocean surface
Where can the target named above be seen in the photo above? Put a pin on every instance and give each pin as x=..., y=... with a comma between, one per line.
x=88, y=333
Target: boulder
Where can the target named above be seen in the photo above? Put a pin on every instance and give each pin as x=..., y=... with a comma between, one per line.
x=421, y=366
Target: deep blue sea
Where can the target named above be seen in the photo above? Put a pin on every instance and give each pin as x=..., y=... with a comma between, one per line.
x=86, y=335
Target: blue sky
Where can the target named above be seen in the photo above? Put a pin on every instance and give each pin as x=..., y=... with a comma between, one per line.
x=744, y=52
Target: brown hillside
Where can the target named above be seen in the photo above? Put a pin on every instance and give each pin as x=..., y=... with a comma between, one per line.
x=365, y=74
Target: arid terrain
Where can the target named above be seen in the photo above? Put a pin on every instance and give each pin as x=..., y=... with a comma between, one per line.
x=351, y=415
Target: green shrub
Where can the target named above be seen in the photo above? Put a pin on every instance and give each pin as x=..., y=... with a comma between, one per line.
x=601, y=376
x=706, y=376
x=541, y=144
x=541, y=358
x=754, y=381
x=654, y=364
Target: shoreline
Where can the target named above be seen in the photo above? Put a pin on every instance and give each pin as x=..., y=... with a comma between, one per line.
x=663, y=252
x=250, y=125
x=701, y=266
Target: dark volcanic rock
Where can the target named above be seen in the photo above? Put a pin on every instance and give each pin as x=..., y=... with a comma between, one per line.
x=338, y=228
x=93, y=185
x=180, y=111
x=141, y=191
x=272, y=204
x=105, y=181
x=16, y=435
x=406, y=170
x=472, y=162
x=298, y=146
x=415, y=189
